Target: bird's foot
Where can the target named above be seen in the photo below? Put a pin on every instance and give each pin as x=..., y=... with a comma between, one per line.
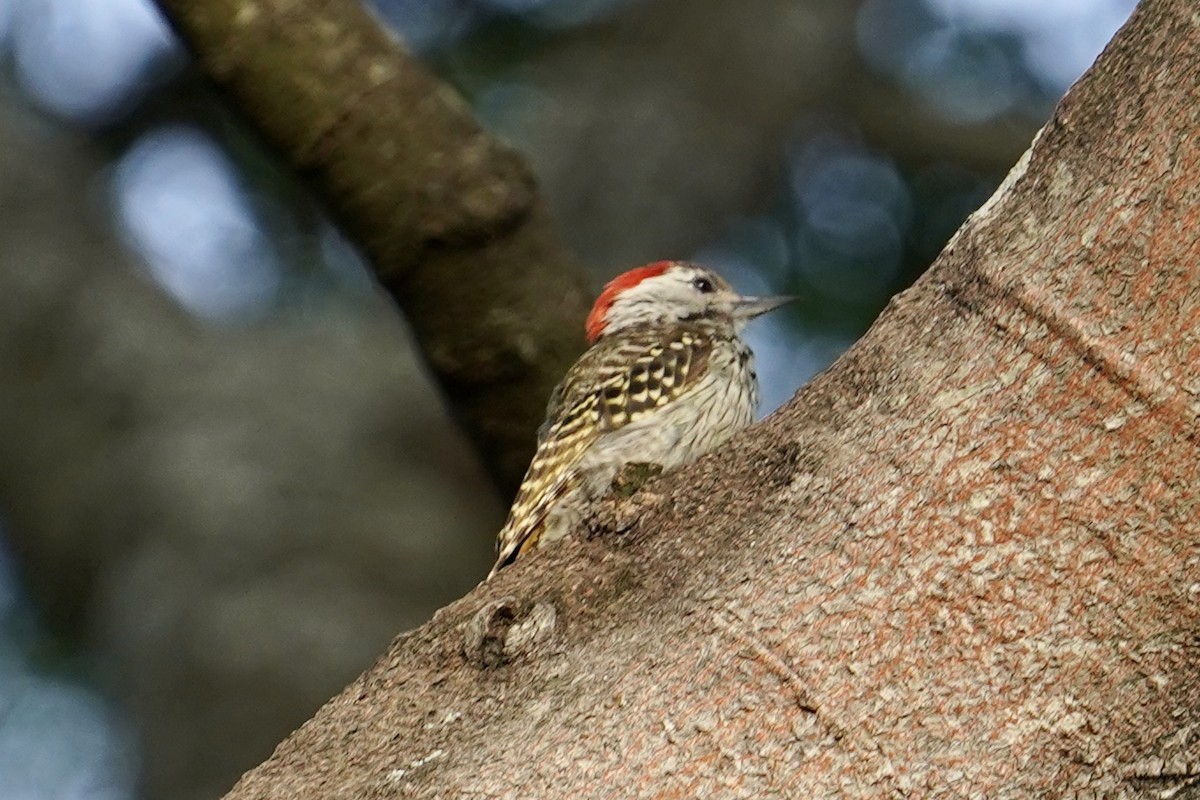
x=633, y=476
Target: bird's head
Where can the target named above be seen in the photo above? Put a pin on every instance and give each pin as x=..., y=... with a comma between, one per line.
x=667, y=292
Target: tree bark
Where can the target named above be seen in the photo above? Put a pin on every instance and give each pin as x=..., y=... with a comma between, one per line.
x=447, y=215
x=962, y=561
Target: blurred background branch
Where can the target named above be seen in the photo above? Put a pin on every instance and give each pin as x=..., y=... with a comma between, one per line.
x=445, y=214
x=225, y=480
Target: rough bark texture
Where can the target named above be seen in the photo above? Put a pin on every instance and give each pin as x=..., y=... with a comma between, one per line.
x=447, y=216
x=961, y=562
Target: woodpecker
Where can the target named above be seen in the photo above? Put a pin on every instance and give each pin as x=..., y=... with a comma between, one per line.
x=667, y=377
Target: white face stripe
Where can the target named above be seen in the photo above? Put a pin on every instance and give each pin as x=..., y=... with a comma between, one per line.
x=669, y=297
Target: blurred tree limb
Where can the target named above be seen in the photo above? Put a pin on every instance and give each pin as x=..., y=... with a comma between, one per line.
x=447, y=216
x=960, y=562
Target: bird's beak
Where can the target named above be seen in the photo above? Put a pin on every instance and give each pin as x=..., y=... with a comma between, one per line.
x=751, y=307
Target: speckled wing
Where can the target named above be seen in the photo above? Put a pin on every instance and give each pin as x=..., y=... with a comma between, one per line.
x=612, y=385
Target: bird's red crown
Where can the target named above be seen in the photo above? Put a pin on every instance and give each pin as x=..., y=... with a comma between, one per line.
x=596, y=319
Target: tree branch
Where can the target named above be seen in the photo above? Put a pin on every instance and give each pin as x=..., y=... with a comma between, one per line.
x=447, y=216
x=961, y=561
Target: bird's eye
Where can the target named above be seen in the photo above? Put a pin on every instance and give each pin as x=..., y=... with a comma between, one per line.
x=702, y=285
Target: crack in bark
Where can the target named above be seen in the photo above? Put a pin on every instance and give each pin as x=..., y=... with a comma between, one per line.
x=1163, y=400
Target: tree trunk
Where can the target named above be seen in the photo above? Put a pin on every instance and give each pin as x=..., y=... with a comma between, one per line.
x=962, y=561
